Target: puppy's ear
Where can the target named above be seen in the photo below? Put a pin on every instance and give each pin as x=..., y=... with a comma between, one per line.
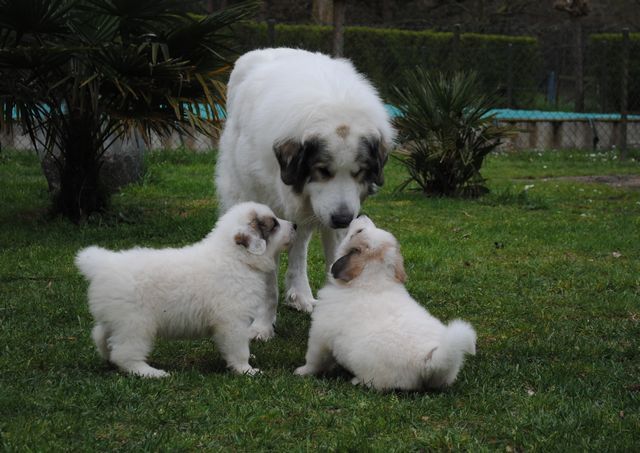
x=295, y=161
x=250, y=239
x=393, y=259
x=399, y=273
x=348, y=267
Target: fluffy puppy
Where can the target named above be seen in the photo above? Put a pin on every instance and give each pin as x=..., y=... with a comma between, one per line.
x=214, y=288
x=367, y=322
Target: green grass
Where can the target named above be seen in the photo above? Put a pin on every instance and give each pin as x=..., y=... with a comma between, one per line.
x=558, y=318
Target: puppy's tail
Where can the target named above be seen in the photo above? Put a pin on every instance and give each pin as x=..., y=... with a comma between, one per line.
x=445, y=360
x=459, y=336
x=90, y=260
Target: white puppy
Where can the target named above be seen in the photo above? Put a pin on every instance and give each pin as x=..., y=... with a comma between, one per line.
x=309, y=136
x=367, y=322
x=214, y=288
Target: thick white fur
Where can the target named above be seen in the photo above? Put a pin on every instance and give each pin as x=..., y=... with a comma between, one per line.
x=275, y=95
x=371, y=326
x=214, y=288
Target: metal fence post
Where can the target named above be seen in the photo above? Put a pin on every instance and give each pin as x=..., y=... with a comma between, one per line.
x=510, y=75
x=624, y=93
x=271, y=32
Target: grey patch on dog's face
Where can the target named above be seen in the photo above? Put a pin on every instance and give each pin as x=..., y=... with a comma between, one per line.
x=299, y=160
x=372, y=158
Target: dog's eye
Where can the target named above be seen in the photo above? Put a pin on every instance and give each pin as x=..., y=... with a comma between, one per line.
x=358, y=174
x=324, y=172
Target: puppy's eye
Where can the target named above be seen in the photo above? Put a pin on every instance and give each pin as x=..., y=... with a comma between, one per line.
x=360, y=231
x=276, y=224
x=354, y=250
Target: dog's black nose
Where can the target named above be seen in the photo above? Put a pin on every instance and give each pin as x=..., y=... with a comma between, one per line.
x=341, y=220
x=295, y=226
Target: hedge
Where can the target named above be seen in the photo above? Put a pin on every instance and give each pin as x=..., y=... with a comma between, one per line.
x=384, y=54
x=604, y=65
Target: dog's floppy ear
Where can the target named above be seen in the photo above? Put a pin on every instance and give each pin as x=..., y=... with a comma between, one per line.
x=251, y=240
x=294, y=159
x=348, y=267
x=377, y=159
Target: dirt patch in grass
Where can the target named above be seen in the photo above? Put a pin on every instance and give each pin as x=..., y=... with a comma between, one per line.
x=626, y=181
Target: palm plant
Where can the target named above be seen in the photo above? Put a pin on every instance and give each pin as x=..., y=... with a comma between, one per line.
x=77, y=75
x=446, y=130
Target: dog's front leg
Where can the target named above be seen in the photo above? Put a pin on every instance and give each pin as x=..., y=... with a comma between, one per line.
x=299, y=293
x=318, y=358
x=330, y=240
x=233, y=341
x=262, y=326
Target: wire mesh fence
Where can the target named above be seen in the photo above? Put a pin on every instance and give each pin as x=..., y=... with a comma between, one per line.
x=564, y=92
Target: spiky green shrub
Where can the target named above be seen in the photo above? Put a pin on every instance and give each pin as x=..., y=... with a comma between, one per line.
x=446, y=131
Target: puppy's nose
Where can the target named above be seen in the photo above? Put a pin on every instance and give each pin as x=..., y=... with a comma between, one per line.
x=341, y=220
x=295, y=226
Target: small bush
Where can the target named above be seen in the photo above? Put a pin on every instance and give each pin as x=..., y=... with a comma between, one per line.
x=445, y=131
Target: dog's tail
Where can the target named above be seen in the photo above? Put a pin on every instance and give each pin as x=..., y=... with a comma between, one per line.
x=458, y=339
x=90, y=260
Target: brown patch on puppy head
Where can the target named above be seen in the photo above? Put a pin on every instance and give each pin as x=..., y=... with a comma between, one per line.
x=349, y=266
x=263, y=225
x=242, y=239
x=342, y=131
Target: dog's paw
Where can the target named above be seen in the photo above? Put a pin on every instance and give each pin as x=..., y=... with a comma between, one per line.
x=299, y=302
x=302, y=371
x=261, y=332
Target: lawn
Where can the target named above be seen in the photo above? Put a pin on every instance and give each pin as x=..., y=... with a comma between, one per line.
x=548, y=275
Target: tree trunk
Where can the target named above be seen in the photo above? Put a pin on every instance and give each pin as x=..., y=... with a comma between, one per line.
x=81, y=192
x=322, y=12
x=339, y=7
x=387, y=12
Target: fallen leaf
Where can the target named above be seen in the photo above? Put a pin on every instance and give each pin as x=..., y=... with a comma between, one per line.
x=616, y=254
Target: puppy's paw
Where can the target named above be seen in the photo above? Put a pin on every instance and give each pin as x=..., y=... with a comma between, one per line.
x=261, y=332
x=302, y=371
x=149, y=372
x=246, y=369
x=299, y=302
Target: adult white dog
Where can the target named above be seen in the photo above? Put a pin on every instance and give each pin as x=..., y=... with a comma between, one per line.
x=214, y=288
x=307, y=135
x=367, y=322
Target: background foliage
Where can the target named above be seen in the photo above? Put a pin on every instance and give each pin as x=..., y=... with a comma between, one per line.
x=384, y=54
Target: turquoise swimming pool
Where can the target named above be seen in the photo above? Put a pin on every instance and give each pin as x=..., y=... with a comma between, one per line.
x=540, y=115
